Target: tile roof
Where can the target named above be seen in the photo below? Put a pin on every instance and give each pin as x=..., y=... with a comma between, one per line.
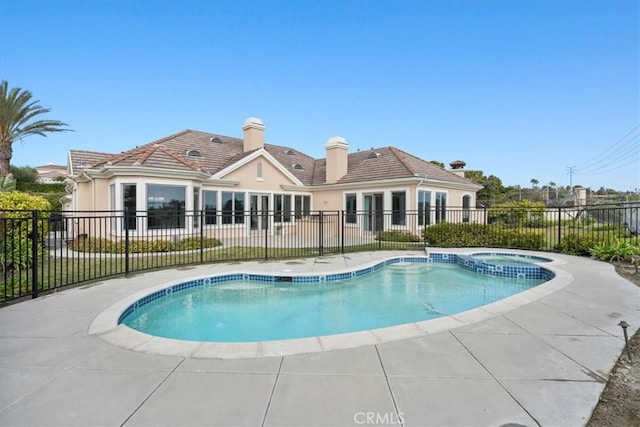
x=81, y=159
x=218, y=152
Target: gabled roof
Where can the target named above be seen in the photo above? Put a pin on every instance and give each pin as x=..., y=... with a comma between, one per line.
x=218, y=152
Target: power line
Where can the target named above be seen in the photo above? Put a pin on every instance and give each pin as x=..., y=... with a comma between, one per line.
x=604, y=156
x=633, y=151
x=617, y=167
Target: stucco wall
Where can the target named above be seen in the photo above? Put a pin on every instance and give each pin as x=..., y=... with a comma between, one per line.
x=271, y=181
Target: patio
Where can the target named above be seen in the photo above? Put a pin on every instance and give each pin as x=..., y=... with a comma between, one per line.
x=543, y=363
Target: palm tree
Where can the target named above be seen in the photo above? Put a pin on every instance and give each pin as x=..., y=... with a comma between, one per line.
x=534, y=182
x=17, y=112
x=554, y=186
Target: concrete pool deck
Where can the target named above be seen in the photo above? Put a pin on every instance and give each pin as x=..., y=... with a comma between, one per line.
x=542, y=363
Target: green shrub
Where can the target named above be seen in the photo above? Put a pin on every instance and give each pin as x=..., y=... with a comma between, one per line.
x=92, y=244
x=16, y=211
x=397, y=236
x=447, y=234
x=577, y=244
x=515, y=239
x=54, y=200
x=470, y=235
x=18, y=254
x=517, y=213
x=619, y=250
x=36, y=187
x=535, y=223
x=102, y=245
x=578, y=222
x=147, y=246
x=191, y=243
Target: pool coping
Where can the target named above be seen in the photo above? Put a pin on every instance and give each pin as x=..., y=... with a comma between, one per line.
x=106, y=326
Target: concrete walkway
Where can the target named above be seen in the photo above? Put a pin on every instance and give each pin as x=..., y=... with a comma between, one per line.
x=544, y=363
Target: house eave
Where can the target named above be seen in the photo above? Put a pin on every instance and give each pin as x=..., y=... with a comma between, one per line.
x=414, y=180
x=111, y=171
x=453, y=185
x=364, y=184
x=221, y=182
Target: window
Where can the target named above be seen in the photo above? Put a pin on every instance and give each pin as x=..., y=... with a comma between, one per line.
x=441, y=207
x=259, y=170
x=282, y=208
x=210, y=199
x=165, y=206
x=129, y=206
x=424, y=207
x=351, y=208
x=302, y=206
x=398, y=207
x=232, y=208
x=196, y=207
x=466, y=205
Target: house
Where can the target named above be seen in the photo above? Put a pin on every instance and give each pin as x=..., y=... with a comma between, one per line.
x=234, y=182
x=50, y=173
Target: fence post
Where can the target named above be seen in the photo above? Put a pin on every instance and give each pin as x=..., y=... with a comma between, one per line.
x=484, y=208
x=267, y=231
x=126, y=242
x=342, y=232
x=201, y=222
x=320, y=231
x=34, y=254
x=559, y=224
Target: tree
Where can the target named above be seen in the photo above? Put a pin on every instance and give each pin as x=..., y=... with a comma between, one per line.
x=437, y=163
x=24, y=173
x=475, y=176
x=492, y=190
x=554, y=186
x=17, y=114
x=534, y=182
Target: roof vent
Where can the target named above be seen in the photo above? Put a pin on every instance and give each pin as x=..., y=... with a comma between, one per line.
x=373, y=155
x=193, y=153
x=298, y=166
x=289, y=152
x=216, y=140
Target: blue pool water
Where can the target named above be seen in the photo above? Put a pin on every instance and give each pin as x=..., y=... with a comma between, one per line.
x=247, y=310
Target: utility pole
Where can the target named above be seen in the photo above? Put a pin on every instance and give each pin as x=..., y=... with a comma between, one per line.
x=571, y=170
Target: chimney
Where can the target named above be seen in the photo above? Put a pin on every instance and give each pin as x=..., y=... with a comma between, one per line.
x=253, y=134
x=337, y=148
x=457, y=167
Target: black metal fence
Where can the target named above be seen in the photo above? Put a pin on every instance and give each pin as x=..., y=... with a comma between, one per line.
x=42, y=252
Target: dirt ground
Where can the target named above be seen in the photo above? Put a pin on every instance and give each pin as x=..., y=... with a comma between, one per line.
x=619, y=404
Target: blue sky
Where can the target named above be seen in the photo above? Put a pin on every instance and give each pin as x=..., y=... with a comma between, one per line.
x=516, y=89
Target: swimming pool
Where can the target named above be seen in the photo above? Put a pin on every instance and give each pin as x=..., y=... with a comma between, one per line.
x=249, y=308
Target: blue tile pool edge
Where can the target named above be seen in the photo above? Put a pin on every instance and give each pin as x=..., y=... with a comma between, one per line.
x=466, y=262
